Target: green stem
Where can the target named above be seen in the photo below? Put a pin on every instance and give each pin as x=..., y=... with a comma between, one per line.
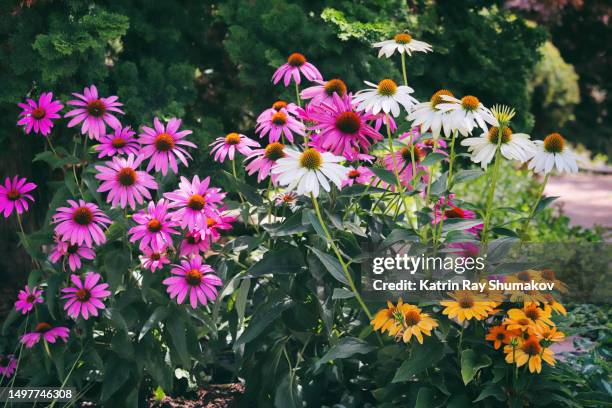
x=404, y=68
x=51, y=145
x=491, y=193
x=534, y=207
x=400, y=187
x=18, y=361
x=297, y=95
x=451, y=161
x=345, y=268
x=68, y=376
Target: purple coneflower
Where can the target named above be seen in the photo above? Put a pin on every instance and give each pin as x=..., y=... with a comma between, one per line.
x=80, y=223
x=94, y=111
x=359, y=175
x=27, y=299
x=121, y=141
x=38, y=116
x=219, y=222
x=85, y=298
x=8, y=364
x=194, y=201
x=264, y=159
x=152, y=259
x=277, y=106
x=324, y=91
x=277, y=124
x=228, y=145
x=155, y=226
x=164, y=144
x=195, y=241
x=194, y=279
x=14, y=195
x=45, y=331
x=296, y=64
x=73, y=252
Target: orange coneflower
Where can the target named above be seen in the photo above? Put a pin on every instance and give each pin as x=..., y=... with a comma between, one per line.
x=500, y=335
x=550, y=334
x=530, y=315
x=385, y=319
x=466, y=305
x=415, y=323
x=529, y=351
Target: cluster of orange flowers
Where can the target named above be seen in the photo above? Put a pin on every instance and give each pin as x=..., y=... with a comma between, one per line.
x=526, y=333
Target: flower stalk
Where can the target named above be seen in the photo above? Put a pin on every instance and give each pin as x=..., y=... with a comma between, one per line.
x=491, y=192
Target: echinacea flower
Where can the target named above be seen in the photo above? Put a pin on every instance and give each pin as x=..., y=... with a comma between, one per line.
x=296, y=64
x=264, y=159
x=413, y=322
x=553, y=152
x=288, y=198
x=152, y=259
x=466, y=113
x=547, y=275
x=324, y=91
x=46, y=332
x=530, y=315
x=38, y=116
x=466, y=305
x=550, y=305
x=278, y=124
x=309, y=170
x=340, y=129
x=277, y=106
x=193, y=279
x=387, y=97
x=403, y=161
x=513, y=146
x=125, y=184
x=121, y=141
x=27, y=299
x=195, y=241
x=163, y=145
x=402, y=43
x=430, y=118
x=228, y=145
x=217, y=223
x=14, y=195
x=73, y=252
x=388, y=319
x=547, y=333
x=8, y=364
x=445, y=209
x=359, y=175
x=85, y=297
x=155, y=226
x=194, y=201
x=94, y=112
x=500, y=335
x=529, y=351
x=80, y=223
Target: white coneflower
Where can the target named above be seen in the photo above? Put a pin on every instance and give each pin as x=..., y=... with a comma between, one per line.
x=429, y=117
x=553, y=152
x=466, y=113
x=387, y=97
x=402, y=42
x=513, y=146
x=309, y=170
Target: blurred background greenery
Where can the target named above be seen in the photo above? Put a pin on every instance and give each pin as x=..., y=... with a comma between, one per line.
x=210, y=63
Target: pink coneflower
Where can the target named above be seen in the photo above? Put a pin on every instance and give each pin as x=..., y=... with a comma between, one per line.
x=121, y=141
x=80, y=223
x=445, y=209
x=342, y=130
x=277, y=106
x=264, y=159
x=295, y=64
x=27, y=299
x=153, y=260
x=403, y=160
x=227, y=146
x=359, y=175
x=277, y=124
x=195, y=241
x=85, y=298
x=381, y=119
x=8, y=364
x=194, y=279
x=14, y=195
x=324, y=91
x=217, y=223
x=125, y=184
x=155, y=226
x=46, y=332
x=73, y=252
x=95, y=112
x=288, y=198
x=38, y=116
x=194, y=201
x=164, y=144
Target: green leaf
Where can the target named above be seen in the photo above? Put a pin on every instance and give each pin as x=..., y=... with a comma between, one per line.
x=471, y=363
x=241, y=299
x=116, y=373
x=428, y=398
x=460, y=401
x=53, y=284
x=287, y=393
x=116, y=264
x=331, y=264
x=544, y=202
x=467, y=175
x=460, y=224
x=422, y=357
x=432, y=159
x=176, y=329
x=492, y=390
x=158, y=315
x=340, y=293
x=399, y=235
x=262, y=318
x=360, y=189
x=316, y=224
x=292, y=225
x=439, y=186
x=249, y=192
x=385, y=175
x=345, y=348
x=505, y=232
x=288, y=260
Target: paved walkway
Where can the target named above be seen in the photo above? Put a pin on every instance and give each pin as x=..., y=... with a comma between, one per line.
x=585, y=198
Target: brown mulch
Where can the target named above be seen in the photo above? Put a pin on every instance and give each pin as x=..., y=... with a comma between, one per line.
x=214, y=396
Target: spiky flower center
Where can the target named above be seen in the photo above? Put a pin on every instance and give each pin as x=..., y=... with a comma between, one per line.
x=407, y=155
x=353, y=174
x=288, y=198
x=454, y=212
x=118, y=142
x=278, y=105
x=42, y=327
x=412, y=318
x=38, y=113
x=348, y=122
x=531, y=347
x=83, y=295
x=232, y=139
x=82, y=216
x=96, y=108
x=155, y=256
x=311, y=159
x=533, y=313
x=154, y=225
x=402, y=38
x=549, y=274
x=554, y=143
x=210, y=222
x=296, y=59
x=523, y=322
x=72, y=249
x=274, y=151
x=387, y=87
x=13, y=194
x=335, y=85
x=126, y=176
x=501, y=335
x=493, y=135
x=196, y=202
x=437, y=98
x=279, y=118
x=470, y=103
x=193, y=277
x=30, y=298
x=466, y=302
x=524, y=276
x=164, y=142
x=193, y=238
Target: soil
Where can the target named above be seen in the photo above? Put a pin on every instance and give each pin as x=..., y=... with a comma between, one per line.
x=213, y=396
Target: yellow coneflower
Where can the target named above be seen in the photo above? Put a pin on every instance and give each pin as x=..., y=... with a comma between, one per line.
x=500, y=335
x=530, y=315
x=385, y=319
x=548, y=276
x=466, y=306
x=526, y=296
x=549, y=334
x=525, y=276
x=529, y=351
x=551, y=304
x=415, y=323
